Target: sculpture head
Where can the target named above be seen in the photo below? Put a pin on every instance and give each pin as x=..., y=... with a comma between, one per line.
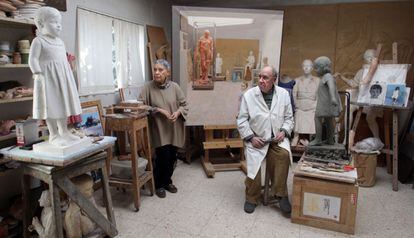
x=307, y=66
x=49, y=21
x=322, y=65
x=44, y=200
x=161, y=71
x=206, y=33
x=267, y=78
x=218, y=55
x=251, y=53
x=369, y=54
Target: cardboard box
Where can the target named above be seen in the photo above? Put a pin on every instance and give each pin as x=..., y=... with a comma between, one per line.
x=26, y=132
x=324, y=204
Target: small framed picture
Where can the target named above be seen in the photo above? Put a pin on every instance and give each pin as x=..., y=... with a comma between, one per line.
x=237, y=75
x=92, y=123
x=396, y=95
x=129, y=94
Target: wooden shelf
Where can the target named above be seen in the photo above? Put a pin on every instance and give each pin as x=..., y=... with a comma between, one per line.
x=10, y=66
x=16, y=100
x=8, y=137
x=16, y=22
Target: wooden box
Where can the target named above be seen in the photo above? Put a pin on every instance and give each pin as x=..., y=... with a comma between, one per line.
x=324, y=204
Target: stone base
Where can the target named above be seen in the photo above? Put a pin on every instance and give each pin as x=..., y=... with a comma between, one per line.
x=61, y=151
x=203, y=86
x=327, y=153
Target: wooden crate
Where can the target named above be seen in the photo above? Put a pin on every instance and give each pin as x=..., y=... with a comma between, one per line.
x=324, y=204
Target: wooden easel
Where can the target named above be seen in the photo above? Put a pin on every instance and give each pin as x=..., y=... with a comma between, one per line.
x=392, y=166
x=225, y=141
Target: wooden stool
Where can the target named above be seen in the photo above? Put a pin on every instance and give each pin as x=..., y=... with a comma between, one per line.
x=136, y=126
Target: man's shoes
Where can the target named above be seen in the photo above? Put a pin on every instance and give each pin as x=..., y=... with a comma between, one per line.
x=284, y=205
x=171, y=188
x=160, y=192
x=249, y=207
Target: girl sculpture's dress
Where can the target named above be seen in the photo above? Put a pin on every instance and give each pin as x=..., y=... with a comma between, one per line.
x=61, y=99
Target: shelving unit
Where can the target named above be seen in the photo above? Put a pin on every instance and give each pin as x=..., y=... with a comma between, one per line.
x=16, y=22
x=10, y=66
x=13, y=100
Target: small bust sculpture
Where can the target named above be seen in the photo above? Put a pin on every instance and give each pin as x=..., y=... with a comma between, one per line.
x=45, y=228
x=304, y=95
x=78, y=224
x=265, y=61
x=328, y=104
x=55, y=96
x=219, y=64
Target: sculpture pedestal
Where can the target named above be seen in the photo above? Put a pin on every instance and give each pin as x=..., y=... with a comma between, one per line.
x=197, y=85
x=336, y=153
x=53, y=150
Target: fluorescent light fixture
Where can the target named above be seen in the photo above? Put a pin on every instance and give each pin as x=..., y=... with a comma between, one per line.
x=220, y=21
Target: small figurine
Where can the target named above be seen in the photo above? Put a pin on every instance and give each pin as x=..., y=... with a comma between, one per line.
x=45, y=228
x=55, y=96
x=219, y=64
x=328, y=104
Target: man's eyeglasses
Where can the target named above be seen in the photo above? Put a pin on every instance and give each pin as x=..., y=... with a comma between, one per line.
x=265, y=77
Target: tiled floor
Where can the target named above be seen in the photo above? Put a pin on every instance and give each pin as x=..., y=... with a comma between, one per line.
x=206, y=207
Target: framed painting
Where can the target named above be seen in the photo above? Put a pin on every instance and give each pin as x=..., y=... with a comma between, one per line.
x=92, y=123
x=237, y=75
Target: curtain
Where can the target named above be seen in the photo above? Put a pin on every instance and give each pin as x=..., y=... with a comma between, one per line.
x=129, y=53
x=94, y=52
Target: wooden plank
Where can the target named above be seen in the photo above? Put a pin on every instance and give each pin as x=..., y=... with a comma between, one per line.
x=208, y=168
x=75, y=195
x=57, y=213
x=27, y=216
x=225, y=167
x=395, y=150
x=16, y=22
x=219, y=127
x=107, y=196
x=13, y=100
x=223, y=144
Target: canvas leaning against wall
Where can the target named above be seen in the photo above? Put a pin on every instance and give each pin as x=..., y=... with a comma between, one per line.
x=241, y=39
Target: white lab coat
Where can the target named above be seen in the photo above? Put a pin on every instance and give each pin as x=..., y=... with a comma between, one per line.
x=256, y=118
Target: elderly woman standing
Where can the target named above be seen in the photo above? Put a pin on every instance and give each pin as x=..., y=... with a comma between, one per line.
x=168, y=109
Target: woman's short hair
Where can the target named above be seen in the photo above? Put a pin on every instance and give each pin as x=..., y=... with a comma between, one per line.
x=164, y=63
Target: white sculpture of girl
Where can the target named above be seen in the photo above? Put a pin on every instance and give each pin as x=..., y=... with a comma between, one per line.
x=55, y=96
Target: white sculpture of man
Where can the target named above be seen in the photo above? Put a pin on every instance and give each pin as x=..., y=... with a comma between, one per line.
x=218, y=64
x=250, y=60
x=45, y=228
x=55, y=96
x=354, y=83
x=304, y=95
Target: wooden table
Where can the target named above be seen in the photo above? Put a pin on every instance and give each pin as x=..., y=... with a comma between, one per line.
x=59, y=178
x=394, y=150
x=136, y=126
x=56, y=172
